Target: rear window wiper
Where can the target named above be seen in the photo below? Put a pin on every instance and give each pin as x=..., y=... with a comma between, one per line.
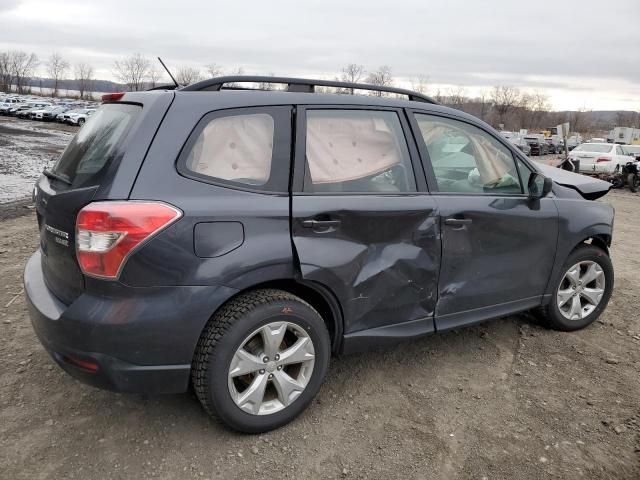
x=50, y=174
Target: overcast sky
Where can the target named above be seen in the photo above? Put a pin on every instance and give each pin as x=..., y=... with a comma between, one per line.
x=582, y=53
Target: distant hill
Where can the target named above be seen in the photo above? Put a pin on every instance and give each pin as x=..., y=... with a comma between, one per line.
x=98, y=85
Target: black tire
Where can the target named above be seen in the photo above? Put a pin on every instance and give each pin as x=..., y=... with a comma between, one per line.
x=224, y=334
x=550, y=313
x=633, y=181
x=80, y=122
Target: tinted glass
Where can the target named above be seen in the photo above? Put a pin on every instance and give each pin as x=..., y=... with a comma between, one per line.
x=465, y=159
x=94, y=146
x=357, y=151
x=237, y=148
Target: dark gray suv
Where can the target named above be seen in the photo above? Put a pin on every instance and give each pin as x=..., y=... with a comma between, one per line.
x=232, y=240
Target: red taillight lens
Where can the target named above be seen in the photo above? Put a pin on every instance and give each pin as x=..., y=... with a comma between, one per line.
x=107, y=232
x=603, y=159
x=112, y=97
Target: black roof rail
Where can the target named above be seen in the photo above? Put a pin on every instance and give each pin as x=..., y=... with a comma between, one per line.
x=299, y=85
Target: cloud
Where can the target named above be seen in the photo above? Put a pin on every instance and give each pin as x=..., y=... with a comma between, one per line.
x=562, y=45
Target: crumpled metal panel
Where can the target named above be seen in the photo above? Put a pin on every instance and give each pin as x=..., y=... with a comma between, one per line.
x=382, y=261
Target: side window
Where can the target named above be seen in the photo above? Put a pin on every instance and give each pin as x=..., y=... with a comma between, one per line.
x=356, y=151
x=619, y=151
x=466, y=159
x=235, y=149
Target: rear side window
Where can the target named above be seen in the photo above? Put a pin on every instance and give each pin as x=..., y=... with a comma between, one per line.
x=96, y=143
x=237, y=148
x=245, y=148
x=356, y=151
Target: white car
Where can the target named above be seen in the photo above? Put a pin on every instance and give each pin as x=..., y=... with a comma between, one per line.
x=599, y=157
x=78, y=117
x=8, y=103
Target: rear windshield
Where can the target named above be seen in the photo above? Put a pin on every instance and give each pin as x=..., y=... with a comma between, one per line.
x=593, y=147
x=95, y=144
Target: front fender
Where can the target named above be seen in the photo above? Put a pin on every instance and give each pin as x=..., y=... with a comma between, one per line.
x=579, y=220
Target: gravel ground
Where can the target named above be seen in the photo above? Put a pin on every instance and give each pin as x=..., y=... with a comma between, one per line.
x=506, y=399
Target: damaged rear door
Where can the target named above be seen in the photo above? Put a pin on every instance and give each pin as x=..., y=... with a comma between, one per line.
x=362, y=222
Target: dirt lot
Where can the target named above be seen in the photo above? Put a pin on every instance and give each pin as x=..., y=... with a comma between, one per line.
x=26, y=147
x=503, y=400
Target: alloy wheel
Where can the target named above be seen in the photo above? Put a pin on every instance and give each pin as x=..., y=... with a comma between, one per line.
x=581, y=290
x=271, y=368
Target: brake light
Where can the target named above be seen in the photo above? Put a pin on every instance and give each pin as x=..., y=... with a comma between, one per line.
x=112, y=97
x=603, y=159
x=108, y=232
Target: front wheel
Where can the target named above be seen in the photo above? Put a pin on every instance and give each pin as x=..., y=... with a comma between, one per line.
x=583, y=290
x=633, y=180
x=261, y=360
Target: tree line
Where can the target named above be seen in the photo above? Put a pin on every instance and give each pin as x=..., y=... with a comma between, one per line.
x=505, y=107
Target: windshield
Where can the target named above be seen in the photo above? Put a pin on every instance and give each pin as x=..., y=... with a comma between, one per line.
x=94, y=146
x=593, y=147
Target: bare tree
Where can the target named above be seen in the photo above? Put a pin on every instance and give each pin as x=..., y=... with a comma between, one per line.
x=156, y=74
x=214, y=70
x=580, y=121
x=627, y=119
x=504, y=99
x=237, y=71
x=57, y=67
x=23, y=65
x=382, y=78
x=420, y=84
x=188, y=75
x=6, y=73
x=269, y=85
x=539, y=107
x=84, y=79
x=352, y=73
x=484, y=104
x=132, y=71
x=456, y=97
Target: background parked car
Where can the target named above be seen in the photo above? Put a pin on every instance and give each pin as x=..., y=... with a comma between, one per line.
x=78, y=117
x=522, y=145
x=537, y=145
x=599, y=157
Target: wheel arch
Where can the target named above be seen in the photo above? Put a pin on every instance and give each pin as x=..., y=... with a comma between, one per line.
x=315, y=294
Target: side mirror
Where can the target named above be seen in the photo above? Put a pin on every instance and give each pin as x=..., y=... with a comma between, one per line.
x=539, y=186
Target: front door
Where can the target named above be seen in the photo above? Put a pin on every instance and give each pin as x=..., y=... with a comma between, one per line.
x=362, y=223
x=498, y=245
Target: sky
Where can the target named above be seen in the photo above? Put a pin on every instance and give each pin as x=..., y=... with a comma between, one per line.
x=581, y=53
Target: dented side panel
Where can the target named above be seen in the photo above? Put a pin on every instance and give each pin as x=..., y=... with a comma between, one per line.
x=380, y=257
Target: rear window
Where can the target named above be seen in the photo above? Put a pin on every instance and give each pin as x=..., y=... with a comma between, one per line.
x=593, y=147
x=95, y=144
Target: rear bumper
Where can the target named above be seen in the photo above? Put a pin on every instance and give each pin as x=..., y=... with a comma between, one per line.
x=140, y=340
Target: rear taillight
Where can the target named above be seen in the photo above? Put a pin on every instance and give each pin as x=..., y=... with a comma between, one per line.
x=603, y=159
x=108, y=232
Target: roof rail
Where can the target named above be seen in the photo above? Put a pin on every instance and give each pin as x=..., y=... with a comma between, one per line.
x=299, y=85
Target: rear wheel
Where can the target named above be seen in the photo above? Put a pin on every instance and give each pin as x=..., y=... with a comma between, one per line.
x=633, y=181
x=582, y=292
x=261, y=360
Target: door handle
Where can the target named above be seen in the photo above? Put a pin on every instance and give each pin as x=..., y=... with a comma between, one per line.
x=456, y=222
x=320, y=223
